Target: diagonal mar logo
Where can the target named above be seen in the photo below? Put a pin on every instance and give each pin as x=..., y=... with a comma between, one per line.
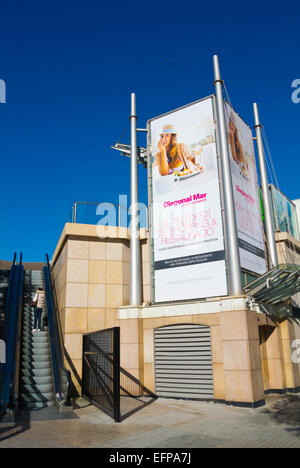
x=2, y=92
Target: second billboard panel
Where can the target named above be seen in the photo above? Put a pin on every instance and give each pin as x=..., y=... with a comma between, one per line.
x=245, y=192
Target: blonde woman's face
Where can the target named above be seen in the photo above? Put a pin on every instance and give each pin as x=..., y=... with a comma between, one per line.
x=166, y=139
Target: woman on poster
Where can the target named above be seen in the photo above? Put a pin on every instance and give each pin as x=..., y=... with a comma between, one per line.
x=172, y=156
x=236, y=146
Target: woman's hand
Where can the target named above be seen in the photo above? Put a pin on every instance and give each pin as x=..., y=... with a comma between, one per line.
x=162, y=146
x=199, y=168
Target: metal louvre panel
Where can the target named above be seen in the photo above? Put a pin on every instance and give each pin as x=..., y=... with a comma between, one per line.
x=183, y=361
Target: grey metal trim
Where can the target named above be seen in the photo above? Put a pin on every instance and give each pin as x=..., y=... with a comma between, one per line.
x=180, y=108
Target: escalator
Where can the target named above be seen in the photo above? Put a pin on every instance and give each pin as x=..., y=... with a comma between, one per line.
x=4, y=284
x=34, y=375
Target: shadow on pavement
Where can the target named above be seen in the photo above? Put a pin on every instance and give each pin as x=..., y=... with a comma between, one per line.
x=134, y=395
x=286, y=410
x=131, y=405
x=14, y=425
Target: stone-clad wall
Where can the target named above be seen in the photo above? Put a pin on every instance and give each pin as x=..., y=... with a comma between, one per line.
x=250, y=352
x=236, y=362
x=91, y=277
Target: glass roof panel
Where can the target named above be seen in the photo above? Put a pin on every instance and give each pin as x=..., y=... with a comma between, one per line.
x=275, y=286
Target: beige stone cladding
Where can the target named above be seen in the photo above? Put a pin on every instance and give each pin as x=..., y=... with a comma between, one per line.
x=91, y=271
x=277, y=337
x=251, y=354
x=237, y=373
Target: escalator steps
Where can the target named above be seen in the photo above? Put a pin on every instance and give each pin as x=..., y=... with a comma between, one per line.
x=36, y=378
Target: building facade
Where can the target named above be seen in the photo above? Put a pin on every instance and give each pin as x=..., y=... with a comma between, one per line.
x=219, y=348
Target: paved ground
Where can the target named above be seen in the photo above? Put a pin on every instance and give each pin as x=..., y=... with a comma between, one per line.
x=165, y=423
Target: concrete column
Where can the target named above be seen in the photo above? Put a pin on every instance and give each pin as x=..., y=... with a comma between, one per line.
x=242, y=362
x=271, y=351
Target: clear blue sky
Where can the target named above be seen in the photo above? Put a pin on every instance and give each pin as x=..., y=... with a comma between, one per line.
x=70, y=67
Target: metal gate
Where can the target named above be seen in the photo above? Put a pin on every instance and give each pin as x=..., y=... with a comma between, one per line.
x=101, y=370
x=183, y=361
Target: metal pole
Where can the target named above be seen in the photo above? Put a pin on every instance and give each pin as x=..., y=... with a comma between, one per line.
x=75, y=212
x=231, y=238
x=273, y=259
x=135, y=256
x=150, y=234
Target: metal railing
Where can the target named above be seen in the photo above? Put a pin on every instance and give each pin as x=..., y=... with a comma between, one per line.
x=101, y=370
x=106, y=214
x=105, y=383
x=16, y=373
x=9, y=372
x=62, y=376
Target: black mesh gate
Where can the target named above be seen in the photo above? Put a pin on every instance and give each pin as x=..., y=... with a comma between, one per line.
x=101, y=370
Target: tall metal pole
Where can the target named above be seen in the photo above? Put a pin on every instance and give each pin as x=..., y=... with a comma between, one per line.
x=75, y=212
x=231, y=238
x=135, y=256
x=273, y=259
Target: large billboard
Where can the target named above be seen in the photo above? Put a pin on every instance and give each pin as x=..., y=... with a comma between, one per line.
x=189, y=255
x=246, y=194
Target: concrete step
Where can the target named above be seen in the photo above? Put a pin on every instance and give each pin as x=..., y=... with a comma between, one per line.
x=36, y=406
x=36, y=347
x=36, y=338
x=27, y=321
x=43, y=359
x=43, y=389
x=41, y=333
x=38, y=357
x=36, y=365
x=43, y=349
x=34, y=334
x=36, y=397
x=33, y=372
x=34, y=380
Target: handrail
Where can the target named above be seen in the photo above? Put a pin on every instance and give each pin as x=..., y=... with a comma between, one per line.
x=6, y=326
x=9, y=292
x=14, y=393
x=118, y=211
x=56, y=341
x=12, y=322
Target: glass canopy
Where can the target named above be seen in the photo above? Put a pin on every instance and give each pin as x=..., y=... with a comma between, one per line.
x=275, y=286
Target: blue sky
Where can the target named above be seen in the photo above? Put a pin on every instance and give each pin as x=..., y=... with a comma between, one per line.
x=70, y=67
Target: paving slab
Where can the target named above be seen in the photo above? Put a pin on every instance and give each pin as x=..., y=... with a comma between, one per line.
x=164, y=423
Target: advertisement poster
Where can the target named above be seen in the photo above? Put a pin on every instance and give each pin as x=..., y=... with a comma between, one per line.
x=189, y=255
x=284, y=213
x=246, y=194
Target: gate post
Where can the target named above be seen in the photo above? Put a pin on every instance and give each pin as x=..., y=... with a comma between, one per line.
x=116, y=381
